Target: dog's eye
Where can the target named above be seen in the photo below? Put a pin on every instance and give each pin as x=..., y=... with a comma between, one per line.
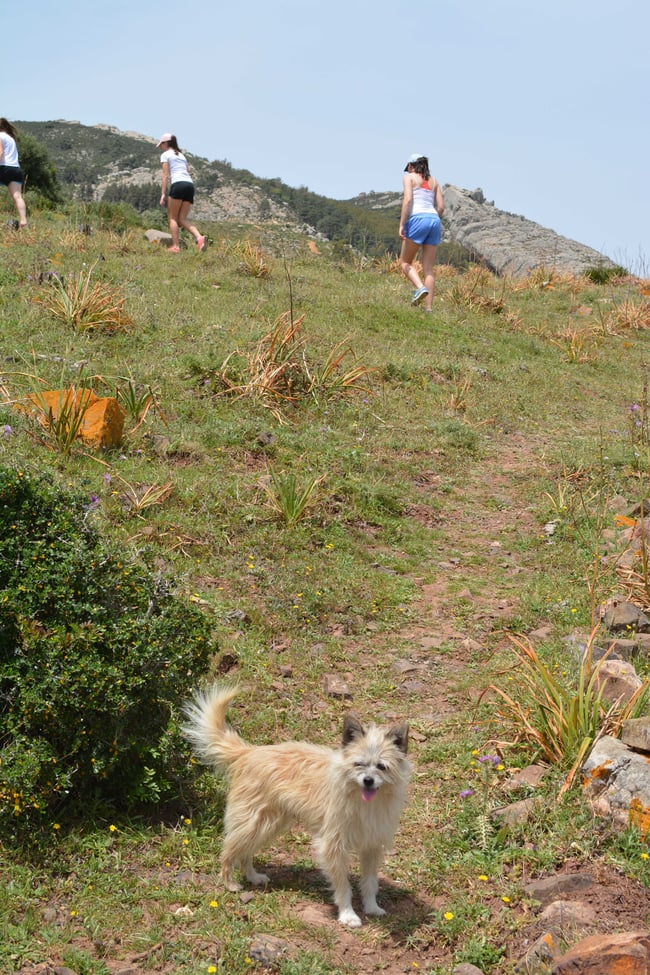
x=381, y=766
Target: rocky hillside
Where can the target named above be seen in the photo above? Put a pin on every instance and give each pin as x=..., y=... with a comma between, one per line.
x=506, y=243
x=510, y=244
x=102, y=163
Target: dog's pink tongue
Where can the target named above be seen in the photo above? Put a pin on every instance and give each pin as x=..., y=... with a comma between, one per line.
x=368, y=794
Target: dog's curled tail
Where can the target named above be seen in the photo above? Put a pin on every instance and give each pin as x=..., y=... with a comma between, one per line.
x=206, y=729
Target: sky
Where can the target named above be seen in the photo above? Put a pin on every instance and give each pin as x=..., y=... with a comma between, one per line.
x=545, y=106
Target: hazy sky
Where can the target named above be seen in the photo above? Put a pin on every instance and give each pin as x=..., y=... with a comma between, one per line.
x=545, y=106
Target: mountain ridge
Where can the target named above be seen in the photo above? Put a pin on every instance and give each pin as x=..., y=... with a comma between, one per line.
x=103, y=162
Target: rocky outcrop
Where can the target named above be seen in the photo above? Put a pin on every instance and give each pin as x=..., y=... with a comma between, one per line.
x=509, y=244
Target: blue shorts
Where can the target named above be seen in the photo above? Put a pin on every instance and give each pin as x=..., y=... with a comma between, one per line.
x=424, y=228
x=182, y=190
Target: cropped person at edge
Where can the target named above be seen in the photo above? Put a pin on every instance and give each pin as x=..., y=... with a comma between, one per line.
x=420, y=226
x=11, y=175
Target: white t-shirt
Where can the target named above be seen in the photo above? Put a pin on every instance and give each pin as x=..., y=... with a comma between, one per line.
x=9, y=150
x=178, y=171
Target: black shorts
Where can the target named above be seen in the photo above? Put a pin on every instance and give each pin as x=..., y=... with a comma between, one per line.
x=182, y=190
x=11, y=174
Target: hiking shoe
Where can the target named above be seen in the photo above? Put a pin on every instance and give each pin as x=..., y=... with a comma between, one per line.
x=174, y=250
x=418, y=295
x=202, y=243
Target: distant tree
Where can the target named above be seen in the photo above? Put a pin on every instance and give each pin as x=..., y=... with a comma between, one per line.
x=38, y=168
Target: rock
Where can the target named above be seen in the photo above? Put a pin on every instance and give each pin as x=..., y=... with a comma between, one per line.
x=516, y=813
x=413, y=687
x=540, y=956
x=335, y=686
x=620, y=614
x=565, y=919
x=316, y=914
x=607, y=954
x=541, y=633
x=618, y=680
x=510, y=244
x=103, y=417
x=267, y=950
x=619, y=649
x=552, y=888
x=157, y=236
x=526, y=778
x=617, y=780
x=636, y=734
x=467, y=969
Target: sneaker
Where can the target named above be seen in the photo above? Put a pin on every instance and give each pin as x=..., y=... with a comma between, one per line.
x=202, y=243
x=418, y=295
x=174, y=250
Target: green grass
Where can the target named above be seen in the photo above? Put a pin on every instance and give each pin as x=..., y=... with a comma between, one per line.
x=474, y=429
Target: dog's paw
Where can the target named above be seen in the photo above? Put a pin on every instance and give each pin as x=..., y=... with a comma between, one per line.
x=349, y=918
x=374, y=909
x=257, y=879
x=232, y=885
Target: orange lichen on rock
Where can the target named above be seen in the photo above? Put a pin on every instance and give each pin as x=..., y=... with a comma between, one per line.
x=640, y=816
x=599, y=773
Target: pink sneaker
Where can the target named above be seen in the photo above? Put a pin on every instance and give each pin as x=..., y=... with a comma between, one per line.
x=174, y=250
x=202, y=243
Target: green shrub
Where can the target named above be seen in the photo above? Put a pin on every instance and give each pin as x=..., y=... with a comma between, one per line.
x=601, y=273
x=95, y=655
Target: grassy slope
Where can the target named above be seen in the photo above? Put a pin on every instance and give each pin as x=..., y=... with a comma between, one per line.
x=427, y=535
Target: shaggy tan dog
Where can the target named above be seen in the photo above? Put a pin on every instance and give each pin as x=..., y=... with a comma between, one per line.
x=349, y=799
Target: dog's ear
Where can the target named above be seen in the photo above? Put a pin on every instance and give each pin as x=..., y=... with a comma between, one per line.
x=399, y=736
x=352, y=729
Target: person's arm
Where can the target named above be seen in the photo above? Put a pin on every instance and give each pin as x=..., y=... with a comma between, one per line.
x=2, y=151
x=165, y=180
x=406, y=202
x=439, y=200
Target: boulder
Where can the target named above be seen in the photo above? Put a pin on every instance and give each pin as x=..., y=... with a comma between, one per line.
x=617, y=780
x=620, y=614
x=158, y=237
x=103, y=420
x=618, y=680
x=607, y=954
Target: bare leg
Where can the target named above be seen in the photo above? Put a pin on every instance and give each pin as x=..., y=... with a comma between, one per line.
x=16, y=192
x=173, y=212
x=429, y=252
x=408, y=255
x=184, y=222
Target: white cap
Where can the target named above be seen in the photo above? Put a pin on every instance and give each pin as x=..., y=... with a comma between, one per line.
x=414, y=158
x=167, y=137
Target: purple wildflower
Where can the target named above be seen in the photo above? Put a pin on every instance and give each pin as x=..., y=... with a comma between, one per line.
x=8, y=430
x=466, y=793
